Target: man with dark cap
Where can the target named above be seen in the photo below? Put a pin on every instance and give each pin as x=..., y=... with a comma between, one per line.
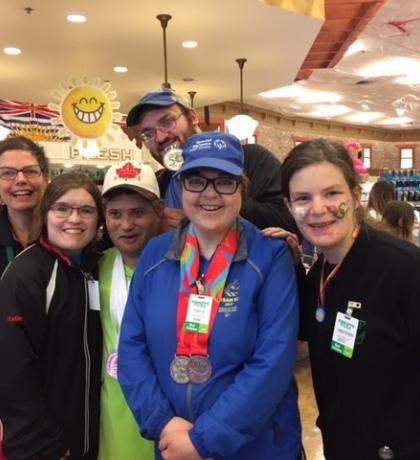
x=163, y=121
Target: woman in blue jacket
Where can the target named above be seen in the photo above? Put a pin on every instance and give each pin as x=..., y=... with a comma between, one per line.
x=208, y=339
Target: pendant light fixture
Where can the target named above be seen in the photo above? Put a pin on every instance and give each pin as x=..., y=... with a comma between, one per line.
x=192, y=96
x=242, y=126
x=164, y=19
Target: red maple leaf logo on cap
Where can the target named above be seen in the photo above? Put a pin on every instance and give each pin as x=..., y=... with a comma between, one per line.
x=128, y=171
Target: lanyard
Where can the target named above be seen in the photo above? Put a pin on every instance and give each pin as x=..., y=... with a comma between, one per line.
x=212, y=285
x=323, y=282
x=10, y=253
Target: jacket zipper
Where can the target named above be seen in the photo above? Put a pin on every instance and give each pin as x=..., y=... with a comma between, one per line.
x=87, y=361
x=189, y=402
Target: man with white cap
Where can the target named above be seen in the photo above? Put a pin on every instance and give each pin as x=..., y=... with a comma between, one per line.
x=163, y=121
x=132, y=209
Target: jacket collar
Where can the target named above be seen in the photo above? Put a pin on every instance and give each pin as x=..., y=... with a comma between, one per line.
x=178, y=242
x=90, y=257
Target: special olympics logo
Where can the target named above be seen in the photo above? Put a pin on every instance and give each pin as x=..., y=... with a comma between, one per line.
x=220, y=144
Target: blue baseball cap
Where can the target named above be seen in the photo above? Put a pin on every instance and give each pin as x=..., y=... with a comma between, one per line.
x=213, y=150
x=164, y=97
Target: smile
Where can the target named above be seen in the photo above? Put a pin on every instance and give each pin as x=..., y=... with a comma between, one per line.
x=22, y=193
x=88, y=117
x=210, y=207
x=321, y=224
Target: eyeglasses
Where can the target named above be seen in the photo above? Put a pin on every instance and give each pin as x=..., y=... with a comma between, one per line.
x=30, y=172
x=225, y=185
x=165, y=125
x=62, y=211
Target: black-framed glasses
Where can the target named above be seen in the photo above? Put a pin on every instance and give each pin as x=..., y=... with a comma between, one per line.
x=64, y=210
x=30, y=172
x=225, y=185
x=165, y=125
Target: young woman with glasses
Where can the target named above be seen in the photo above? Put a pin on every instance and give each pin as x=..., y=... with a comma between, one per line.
x=23, y=178
x=208, y=339
x=50, y=333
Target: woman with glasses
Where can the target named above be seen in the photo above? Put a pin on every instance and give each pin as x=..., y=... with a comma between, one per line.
x=23, y=178
x=208, y=339
x=50, y=333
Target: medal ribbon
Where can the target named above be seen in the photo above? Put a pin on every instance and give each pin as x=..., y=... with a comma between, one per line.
x=324, y=282
x=194, y=343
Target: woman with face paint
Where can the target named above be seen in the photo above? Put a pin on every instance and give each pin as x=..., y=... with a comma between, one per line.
x=360, y=312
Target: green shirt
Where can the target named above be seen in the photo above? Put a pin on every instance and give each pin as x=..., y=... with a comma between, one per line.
x=119, y=437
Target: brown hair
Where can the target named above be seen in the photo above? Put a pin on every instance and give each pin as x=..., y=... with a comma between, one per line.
x=398, y=218
x=381, y=193
x=23, y=143
x=317, y=151
x=61, y=185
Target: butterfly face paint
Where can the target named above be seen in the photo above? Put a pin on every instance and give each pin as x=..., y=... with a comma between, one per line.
x=339, y=211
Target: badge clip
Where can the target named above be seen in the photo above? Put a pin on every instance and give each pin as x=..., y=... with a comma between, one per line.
x=351, y=305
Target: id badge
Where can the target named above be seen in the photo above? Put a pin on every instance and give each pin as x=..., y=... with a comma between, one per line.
x=198, y=313
x=93, y=288
x=344, y=335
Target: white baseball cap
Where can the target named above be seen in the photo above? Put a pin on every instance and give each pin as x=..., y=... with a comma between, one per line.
x=132, y=175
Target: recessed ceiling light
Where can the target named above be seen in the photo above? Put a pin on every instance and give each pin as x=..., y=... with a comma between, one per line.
x=120, y=69
x=364, y=117
x=318, y=97
x=330, y=111
x=12, y=51
x=76, y=18
x=356, y=47
x=285, y=91
x=190, y=44
x=396, y=121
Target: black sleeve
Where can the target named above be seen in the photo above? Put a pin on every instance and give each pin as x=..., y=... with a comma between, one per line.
x=264, y=205
x=29, y=431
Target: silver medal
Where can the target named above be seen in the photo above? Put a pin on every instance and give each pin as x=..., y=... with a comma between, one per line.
x=320, y=313
x=199, y=369
x=178, y=369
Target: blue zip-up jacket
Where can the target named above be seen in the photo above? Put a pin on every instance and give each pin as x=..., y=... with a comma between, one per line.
x=248, y=409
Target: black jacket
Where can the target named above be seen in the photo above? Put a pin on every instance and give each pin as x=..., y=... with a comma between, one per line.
x=50, y=350
x=6, y=240
x=371, y=400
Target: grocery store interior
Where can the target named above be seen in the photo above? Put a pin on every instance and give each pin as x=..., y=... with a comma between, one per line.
x=345, y=70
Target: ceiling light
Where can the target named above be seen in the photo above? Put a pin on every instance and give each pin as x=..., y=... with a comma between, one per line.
x=120, y=69
x=285, y=91
x=364, y=117
x=411, y=79
x=325, y=111
x=318, y=97
x=396, y=121
x=68, y=165
x=101, y=166
x=12, y=51
x=391, y=67
x=242, y=126
x=79, y=18
x=190, y=44
x=356, y=47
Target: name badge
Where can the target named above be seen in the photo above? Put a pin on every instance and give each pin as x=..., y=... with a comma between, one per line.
x=344, y=335
x=198, y=313
x=93, y=289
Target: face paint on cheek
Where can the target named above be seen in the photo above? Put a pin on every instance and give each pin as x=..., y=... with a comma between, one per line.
x=299, y=214
x=339, y=211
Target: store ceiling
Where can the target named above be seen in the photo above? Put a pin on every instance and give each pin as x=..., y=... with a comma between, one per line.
x=274, y=41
